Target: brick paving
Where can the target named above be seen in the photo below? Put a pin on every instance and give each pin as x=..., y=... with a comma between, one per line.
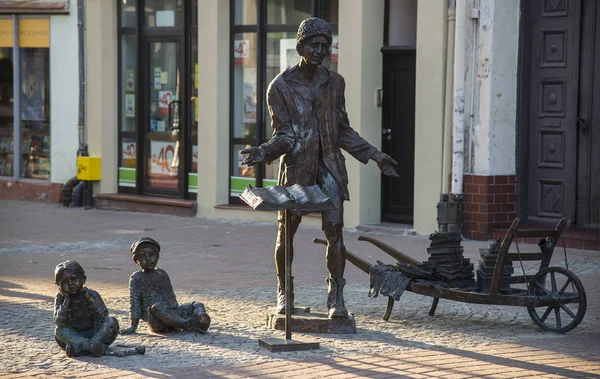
x=228, y=265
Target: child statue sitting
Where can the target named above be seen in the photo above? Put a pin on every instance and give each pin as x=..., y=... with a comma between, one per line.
x=152, y=298
x=82, y=322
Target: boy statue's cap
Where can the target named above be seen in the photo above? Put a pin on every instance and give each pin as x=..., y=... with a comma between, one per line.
x=141, y=240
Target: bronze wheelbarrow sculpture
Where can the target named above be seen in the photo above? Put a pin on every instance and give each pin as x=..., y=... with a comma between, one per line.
x=554, y=296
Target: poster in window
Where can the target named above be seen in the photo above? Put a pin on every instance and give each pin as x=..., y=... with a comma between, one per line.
x=288, y=56
x=157, y=78
x=164, y=99
x=129, y=80
x=129, y=105
x=334, y=48
x=33, y=85
x=241, y=51
x=249, y=94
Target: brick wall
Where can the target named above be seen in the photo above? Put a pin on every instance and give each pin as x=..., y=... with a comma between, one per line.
x=489, y=202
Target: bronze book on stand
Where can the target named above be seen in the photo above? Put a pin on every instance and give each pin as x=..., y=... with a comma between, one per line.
x=296, y=198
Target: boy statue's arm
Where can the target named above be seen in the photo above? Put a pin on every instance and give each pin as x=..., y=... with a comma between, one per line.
x=135, y=305
x=61, y=309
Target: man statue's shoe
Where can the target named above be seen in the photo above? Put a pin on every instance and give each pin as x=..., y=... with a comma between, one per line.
x=335, y=298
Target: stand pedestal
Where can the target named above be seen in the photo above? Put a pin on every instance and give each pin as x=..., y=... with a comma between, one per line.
x=306, y=322
x=278, y=344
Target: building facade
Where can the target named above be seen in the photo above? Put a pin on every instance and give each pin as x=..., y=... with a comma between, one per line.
x=38, y=98
x=489, y=102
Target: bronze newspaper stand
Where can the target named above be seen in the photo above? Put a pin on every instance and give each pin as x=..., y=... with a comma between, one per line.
x=287, y=199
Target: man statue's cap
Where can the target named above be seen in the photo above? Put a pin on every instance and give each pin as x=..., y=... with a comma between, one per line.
x=313, y=26
x=141, y=240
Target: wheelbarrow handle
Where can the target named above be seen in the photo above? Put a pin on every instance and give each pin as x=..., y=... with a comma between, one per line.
x=357, y=261
x=391, y=251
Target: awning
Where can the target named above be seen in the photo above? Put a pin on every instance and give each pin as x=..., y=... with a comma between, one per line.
x=34, y=6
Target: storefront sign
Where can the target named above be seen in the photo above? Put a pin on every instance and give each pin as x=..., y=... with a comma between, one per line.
x=34, y=32
x=34, y=6
x=6, y=32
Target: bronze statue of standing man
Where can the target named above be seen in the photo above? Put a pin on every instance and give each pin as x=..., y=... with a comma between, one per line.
x=310, y=126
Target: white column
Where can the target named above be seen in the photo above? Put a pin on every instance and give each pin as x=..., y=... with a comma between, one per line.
x=101, y=116
x=213, y=105
x=360, y=63
x=64, y=95
x=493, y=132
x=429, y=112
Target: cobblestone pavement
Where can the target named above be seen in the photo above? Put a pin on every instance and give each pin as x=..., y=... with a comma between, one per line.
x=228, y=266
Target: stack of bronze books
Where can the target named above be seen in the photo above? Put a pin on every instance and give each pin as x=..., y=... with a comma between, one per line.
x=446, y=260
x=487, y=263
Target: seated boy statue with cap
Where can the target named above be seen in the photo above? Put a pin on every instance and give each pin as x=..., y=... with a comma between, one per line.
x=82, y=322
x=152, y=298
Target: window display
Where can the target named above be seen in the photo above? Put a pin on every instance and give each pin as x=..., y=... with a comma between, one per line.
x=25, y=129
x=254, y=67
x=6, y=111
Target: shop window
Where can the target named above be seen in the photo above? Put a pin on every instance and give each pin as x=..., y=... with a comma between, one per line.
x=158, y=59
x=163, y=13
x=261, y=50
x=25, y=98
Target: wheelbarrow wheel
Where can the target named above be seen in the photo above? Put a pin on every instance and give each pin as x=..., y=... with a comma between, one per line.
x=567, y=304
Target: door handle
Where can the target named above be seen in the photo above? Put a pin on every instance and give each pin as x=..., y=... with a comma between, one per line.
x=387, y=133
x=582, y=122
x=174, y=114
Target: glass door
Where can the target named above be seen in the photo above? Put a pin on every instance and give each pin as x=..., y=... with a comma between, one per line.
x=164, y=113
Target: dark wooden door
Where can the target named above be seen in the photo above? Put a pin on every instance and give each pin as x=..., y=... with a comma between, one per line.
x=559, y=145
x=588, y=120
x=552, y=103
x=398, y=132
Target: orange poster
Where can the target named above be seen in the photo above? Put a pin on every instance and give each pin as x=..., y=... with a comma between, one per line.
x=6, y=32
x=34, y=32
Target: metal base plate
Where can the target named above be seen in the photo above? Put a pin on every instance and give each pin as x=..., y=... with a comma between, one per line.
x=306, y=322
x=281, y=344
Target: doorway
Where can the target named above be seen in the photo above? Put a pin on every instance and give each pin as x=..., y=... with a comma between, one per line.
x=398, y=108
x=559, y=134
x=162, y=118
x=158, y=98
x=398, y=133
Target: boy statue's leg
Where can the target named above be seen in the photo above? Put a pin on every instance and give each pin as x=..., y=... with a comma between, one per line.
x=75, y=343
x=200, y=317
x=108, y=331
x=163, y=319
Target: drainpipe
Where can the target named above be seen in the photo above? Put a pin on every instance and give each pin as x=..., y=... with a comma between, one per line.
x=83, y=148
x=458, y=155
x=474, y=17
x=82, y=151
x=447, y=147
x=447, y=210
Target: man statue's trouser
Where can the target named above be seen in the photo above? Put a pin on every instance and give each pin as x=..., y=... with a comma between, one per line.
x=332, y=225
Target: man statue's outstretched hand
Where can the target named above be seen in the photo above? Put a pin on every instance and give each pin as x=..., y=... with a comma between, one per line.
x=255, y=155
x=386, y=163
